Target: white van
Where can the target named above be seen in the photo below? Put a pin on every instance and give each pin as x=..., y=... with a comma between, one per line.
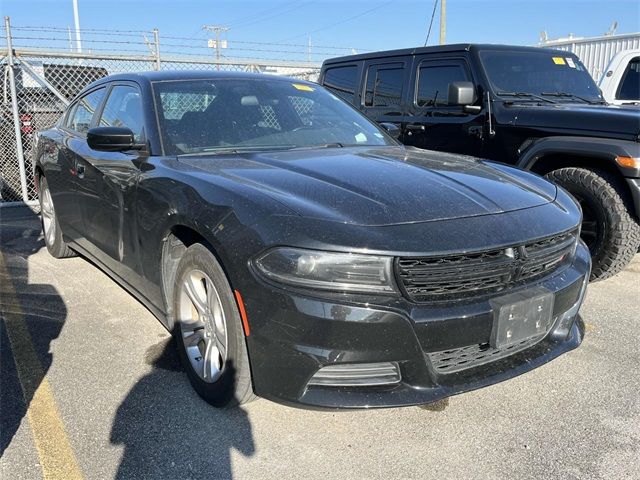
x=620, y=84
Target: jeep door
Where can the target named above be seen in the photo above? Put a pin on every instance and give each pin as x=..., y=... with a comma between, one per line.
x=383, y=89
x=431, y=122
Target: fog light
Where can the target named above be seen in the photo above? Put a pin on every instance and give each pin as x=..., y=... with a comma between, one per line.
x=357, y=375
x=565, y=322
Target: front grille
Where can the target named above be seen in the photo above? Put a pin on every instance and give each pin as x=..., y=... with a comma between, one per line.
x=457, y=359
x=425, y=279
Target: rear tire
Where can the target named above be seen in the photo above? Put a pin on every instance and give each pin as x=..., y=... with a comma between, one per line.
x=208, y=331
x=608, y=229
x=50, y=226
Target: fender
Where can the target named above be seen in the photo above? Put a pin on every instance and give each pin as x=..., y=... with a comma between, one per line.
x=604, y=149
x=601, y=149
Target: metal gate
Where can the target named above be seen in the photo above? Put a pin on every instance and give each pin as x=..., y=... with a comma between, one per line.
x=38, y=83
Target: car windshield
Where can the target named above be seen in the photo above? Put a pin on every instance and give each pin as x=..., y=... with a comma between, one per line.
x=550, y=75
x=240, y=114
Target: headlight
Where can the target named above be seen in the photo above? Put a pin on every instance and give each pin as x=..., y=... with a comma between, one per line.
x=340, y=272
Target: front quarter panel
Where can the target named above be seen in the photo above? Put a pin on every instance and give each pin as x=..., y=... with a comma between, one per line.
x=170, y=195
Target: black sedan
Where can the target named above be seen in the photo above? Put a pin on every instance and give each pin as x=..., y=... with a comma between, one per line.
x=298, y=252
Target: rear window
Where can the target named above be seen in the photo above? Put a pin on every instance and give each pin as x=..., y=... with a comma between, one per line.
x=384, y=85
x=342, y=81
x=630, y=85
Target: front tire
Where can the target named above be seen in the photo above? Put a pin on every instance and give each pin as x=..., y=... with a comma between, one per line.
x=50, y=226
x=208, y=331
x=608, y=229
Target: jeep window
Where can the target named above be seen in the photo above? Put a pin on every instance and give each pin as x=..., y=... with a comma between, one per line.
x=433, y=83
x=384, y=85
x=254, y=114
x=630, y=84
x=124, y=109
x=538, y=73
x=80, y=118
x=342, y=81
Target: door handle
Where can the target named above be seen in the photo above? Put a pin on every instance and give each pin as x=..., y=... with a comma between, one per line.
x=415, y=127
x=80, y=170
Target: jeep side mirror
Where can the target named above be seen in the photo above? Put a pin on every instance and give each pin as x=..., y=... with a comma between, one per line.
x=461, y=93
x=392, y=129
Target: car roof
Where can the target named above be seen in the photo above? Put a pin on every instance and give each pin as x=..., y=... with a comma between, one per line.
x=456, y=47
x=173, y=75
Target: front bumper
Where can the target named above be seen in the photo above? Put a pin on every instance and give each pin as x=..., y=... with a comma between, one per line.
x=294, y=335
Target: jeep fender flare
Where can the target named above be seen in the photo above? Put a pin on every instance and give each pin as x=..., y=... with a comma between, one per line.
x=591, y=149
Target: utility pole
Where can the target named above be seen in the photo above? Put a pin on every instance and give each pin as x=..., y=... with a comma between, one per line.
x=217, y=29
x=443, y=21
x=309, y=49
x=76, y=20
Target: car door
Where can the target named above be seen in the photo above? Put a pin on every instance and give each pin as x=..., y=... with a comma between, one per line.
x=110, y=180
x=66, y=182
x=431, y=122
x=384, y=84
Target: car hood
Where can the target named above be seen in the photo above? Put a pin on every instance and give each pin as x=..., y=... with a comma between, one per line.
x=378, y=185
x=614, y=119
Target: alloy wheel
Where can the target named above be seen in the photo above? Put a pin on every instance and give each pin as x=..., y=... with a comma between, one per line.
x=48, y=215
x=202, y=325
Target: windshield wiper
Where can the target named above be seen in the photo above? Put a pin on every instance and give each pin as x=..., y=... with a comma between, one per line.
x=525, y=94
x=571, y=95
x=235, y=150
x=320, y=145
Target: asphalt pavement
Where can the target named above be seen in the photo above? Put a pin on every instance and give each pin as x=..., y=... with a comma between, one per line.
x=91, y=388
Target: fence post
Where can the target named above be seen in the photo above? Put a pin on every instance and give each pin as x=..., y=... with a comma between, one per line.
x=16, y=112
x=156, y=42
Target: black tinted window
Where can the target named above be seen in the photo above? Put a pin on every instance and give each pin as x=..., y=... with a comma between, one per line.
x=630, y=86
x=342, y=81
x=80, y=117
x=124, y=109
x=384, y=85
x=433, y=83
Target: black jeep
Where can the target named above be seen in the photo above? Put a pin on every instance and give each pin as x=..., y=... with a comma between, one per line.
x=536, y=108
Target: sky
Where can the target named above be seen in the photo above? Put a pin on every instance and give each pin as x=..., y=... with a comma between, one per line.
x=344, y=24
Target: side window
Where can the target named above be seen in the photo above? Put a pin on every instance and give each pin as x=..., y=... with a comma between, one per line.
x=384, y=85
x=342, y=81
x=433, y=83
x=124, y=109
x=630, y=84
x=79, y=119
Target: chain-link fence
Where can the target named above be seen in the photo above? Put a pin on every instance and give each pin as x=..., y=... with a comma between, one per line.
x=37, y=84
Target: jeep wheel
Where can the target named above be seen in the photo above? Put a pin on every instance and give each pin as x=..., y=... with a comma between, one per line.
x=608, y=229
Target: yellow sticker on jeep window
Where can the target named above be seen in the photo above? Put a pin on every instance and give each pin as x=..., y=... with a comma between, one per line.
x=558, y=60
x=303, y=87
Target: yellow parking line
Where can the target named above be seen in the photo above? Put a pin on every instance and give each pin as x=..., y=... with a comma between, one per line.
x=54, y=450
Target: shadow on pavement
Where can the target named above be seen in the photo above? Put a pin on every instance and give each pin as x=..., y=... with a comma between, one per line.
x=32, y=316
x=169, y=432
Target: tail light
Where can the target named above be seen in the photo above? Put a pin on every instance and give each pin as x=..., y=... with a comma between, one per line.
x=25, y=123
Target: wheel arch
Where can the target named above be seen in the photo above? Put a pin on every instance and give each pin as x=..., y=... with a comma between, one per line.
x=552, y=153
x=178, y=237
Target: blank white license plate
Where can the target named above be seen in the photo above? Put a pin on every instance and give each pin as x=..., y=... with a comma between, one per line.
x=520, y=316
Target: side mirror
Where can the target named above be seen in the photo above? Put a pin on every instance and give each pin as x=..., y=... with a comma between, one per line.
x=461, y=93
x=392, y=129
x=112, y=139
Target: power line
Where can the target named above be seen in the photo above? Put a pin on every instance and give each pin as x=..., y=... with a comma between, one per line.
x=253, y=19
x=341, y=22
x=433, y=14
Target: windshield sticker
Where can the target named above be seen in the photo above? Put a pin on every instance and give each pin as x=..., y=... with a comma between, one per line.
x=361, y=137
x=303, y=87
x=558, y=60
x=570, y=62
